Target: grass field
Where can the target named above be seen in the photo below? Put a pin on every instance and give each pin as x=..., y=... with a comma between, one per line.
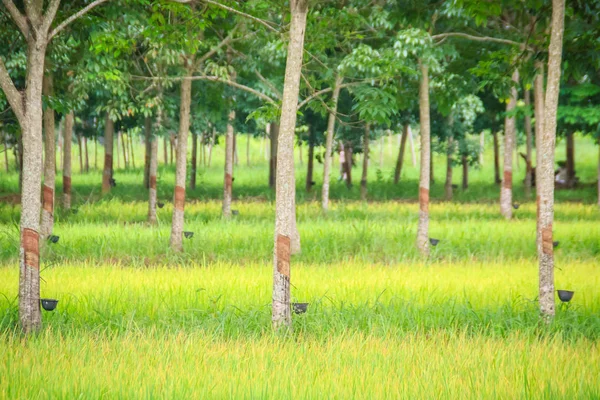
x=135, y=320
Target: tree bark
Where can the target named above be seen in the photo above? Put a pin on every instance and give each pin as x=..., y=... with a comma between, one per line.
x=180, y=173
x=365, y=170
x=400, y=161
x=166, y=150
x=529, y=146
x=131, y=140
x=286, y=232
x=311, y=160
x=329, y=143
x=152, y=169
x=497, y=179
x=147, y=149
x=194, y=161
x=212, y=144
x=228, y=177
x=124, y=147
x=570, y=156
x=47, y=221
x=449, y=160
x=117, y=150
x=107, y=174
x=80, y=145
x=348, y=164
x=465, y=173
x=86, y=164
x=546, y=164
x=509, y=143
x=274, y=138
x=423, y=227
x=67, y=164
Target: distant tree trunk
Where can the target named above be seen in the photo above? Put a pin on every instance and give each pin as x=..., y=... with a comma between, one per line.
x=248, y=150
x=449, y=160
x=68, y=140
x=180, y=174
x=194, y=161
x=47, y=220
x=529, y=146
x=509, y=143
x=236, y=159
x=87, y=158
x=171, y=146
x=300, y=153
x=152, y=169
x=274, y=138
x=348, y=163
x=212, y=144
x=465, y=173
x=423, y=228
x=365, y=170
x=107, y=174
x=311, y=160
x=124, y=147
x=400, y=161
x=287, y=239
x=570, y=156
x=5, y=152
x=229, y=155
x=117, y=150
x=130, y=140
x=166, y=150
x=80, y=145
x=546, y=164
x=147, y=149
x=497, y=179
x=329, y=144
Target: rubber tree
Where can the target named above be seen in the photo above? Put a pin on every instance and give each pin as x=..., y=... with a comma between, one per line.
x=423, y=225
x=285, y=200
x=506, y=191
x=47, y=222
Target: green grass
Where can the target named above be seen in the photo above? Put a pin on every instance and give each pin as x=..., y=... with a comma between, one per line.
x=135, y=320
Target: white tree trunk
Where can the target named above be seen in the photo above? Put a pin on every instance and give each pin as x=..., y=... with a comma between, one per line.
x=228, y=183
x=509, y=143
x=107, y=173
x=529, y=145
x=423, y=228
x=67, y=156
x=181, y=161
x=285, y=206
x=329, y=145
x=49, y=165
x=546, y=163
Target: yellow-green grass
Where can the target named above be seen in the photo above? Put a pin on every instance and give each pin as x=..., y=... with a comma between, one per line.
x=454, y=330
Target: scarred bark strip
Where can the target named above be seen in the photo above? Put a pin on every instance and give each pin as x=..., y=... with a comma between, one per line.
x=152, y=181
x=507, y=181
x=283, y=255
x=67, y=185
x=424, y=199
x=48, y=194
x=179, y=198
x=547, y=245
x=31, y=247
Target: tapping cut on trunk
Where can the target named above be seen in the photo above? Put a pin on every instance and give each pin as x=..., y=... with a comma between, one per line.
x=152, y=181
x=31, y=248
x=283, y=255
x=424, y=199
x=66, y=184
x=507, y=181
x=48, y=194
x=179, y=198
x=547, y=242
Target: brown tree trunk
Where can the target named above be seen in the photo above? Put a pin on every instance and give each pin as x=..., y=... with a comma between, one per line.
x=67, y=163
x=124, y=147
x=423, y=228
x=509, y=143
x=286, y=231
x=497, y=179
x=194, y=161
x=546, y=164
x=107, y=174
x=47, y=221
x=329, y=143
x=180, y=174
x=152, y=169
x=449, y=160
x=166, y=150
x=348, y=164
x=80, y=145
x=570, y=156
x=465, y=173
x=228, y=178
x=365, y=170
x=310, y=164
x=529, y=146
x=131, y=140
x=147, y=149
x=400, y=161
x=274, y=138
x=117, y=150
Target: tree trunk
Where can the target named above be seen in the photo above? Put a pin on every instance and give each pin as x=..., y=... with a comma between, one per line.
x=166, y=150
x=171, y=142
x=180, y=174
x=67, y=164
x=348, y=164
x=47, y=221
x=311, y=160
x=329, y=143
x=229, y=155
x=236, y=159
x=117, y=150
x=529, y=145
x=497, y=179
x=509, y=143
x=365, y=170
x=107, y=174
x=287, y=238
x=400, y=161
x=423, y=228
x=248, y=150
x=274, y=138
x=80, y=145
x=300, y=153
x=212, y=144
x=130, y=139
x=194, y=161
x=449, y=160
x=147, y=149
x=152, y=169
x=546, y=164
x=570, y=156
x=124, y=147
x=465, y=173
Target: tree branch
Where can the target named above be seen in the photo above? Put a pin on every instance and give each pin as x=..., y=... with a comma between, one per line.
x=324, y=91
x=233, y=10
x=442, y=36
x=14, y=97
x=268, y=84
x=212, y=51
x=73, y=17
x=51, y=14
x=16, y=15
